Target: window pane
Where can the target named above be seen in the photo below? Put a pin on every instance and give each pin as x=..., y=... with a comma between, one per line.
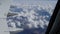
x=26, y=16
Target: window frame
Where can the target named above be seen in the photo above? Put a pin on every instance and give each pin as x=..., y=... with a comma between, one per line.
x=53, y=17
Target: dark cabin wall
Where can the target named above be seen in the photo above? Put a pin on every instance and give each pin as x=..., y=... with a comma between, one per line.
x=56, y=27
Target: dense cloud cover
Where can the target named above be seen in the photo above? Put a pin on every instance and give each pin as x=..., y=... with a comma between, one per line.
x=32, y=18
x=31, y=15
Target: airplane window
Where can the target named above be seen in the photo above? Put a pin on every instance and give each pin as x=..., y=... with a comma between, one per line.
x=26, y=16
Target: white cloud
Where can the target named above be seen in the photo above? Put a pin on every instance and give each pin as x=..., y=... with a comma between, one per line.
x=29, y=14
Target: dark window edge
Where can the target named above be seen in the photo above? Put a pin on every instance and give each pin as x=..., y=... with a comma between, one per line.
x=53, y=17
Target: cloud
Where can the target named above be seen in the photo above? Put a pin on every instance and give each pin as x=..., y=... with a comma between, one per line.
x=29, y=11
